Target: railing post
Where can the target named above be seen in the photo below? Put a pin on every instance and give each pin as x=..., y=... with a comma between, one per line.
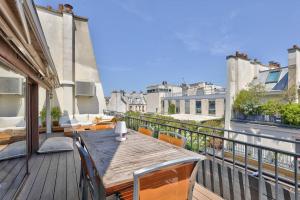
x=191, y=135
x=198, y=142
x=259, y=173
x=233, y=161
x=205, y=150
x=213, y=168
x=246, y=170
x=296, y=176
x=223, y=162
x=276, y=175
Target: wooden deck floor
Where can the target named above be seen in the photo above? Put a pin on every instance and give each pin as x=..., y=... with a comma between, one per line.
x=56, y=176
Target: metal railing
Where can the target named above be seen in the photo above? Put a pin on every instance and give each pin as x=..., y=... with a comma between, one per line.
x=205, y=143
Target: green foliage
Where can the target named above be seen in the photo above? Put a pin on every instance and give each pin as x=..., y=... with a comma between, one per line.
x=172, y=109
x=290, y=114
x=55, y=113
x=271, y=107
x=248, y=101
x=133, y=114
x=43, y=114
x=194, y=142
x=289, y=95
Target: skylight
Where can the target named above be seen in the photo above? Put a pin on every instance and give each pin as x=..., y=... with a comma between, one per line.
x=273, y=77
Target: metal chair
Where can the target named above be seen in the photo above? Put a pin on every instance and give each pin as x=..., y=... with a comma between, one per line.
x=146, y=130
x=169, y=180
x=90, y=179
x=172, y=138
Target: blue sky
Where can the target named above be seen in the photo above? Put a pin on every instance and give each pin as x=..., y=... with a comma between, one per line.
x=142, y=42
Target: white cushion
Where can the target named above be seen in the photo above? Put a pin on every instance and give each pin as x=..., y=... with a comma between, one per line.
x=11, y=122
x=82, y=117
x=56, y=144
x=14, y=150
x=87, y=123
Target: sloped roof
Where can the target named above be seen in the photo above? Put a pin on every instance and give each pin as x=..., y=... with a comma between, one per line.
x=279, y=85
x=134, y=98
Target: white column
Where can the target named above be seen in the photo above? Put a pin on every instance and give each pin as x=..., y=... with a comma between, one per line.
x=48, y=113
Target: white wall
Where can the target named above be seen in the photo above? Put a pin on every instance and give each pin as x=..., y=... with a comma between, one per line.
x=72, y=52
x=86, y=70
x=116, y=103
x=153, y=101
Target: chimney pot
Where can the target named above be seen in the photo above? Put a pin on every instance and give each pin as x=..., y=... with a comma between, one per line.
x=241, y=55
x=274, y=65
x=68, y=8
x=60, y=7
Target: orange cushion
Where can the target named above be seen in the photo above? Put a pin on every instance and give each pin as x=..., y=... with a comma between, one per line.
x=164, y=137
x=176, y=141
x=145, y=131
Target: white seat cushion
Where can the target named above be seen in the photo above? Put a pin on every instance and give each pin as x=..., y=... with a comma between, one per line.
x=56, y=144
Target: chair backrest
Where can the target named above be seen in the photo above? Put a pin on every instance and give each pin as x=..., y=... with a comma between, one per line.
x=146, y=130
x=172, y=138
x=172, y=180
x=96, y=185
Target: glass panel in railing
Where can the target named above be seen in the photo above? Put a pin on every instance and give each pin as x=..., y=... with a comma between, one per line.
x=12, y=129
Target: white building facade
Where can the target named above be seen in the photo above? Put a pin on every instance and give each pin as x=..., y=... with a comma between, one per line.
x=196, y=99
x=156, y=92
x=70, y=44
x=121, y=101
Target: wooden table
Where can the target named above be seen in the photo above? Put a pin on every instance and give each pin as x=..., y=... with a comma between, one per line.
x=116, y=161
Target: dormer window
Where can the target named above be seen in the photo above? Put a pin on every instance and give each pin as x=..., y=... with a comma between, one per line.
x=273, y=77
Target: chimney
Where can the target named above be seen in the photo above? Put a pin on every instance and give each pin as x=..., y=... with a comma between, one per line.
x=68, y=8
x=241, y=55
x=274, y=65
x=294, y=70
x=60, y=7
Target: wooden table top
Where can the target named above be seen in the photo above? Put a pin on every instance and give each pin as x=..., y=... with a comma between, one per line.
x=116, y=161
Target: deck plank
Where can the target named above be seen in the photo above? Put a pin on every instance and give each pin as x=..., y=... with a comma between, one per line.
x=39, y=182
x=49, y=186
x=10, y=178
x=60, y=191
x=6, y=169
x=37, y=161
x=202, y=193
x=16, y=184
x=72, y=186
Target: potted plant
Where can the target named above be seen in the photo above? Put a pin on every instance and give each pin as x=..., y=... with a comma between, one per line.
x=55, y=114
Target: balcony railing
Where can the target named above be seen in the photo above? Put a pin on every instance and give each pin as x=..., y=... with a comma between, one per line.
x=266, y=163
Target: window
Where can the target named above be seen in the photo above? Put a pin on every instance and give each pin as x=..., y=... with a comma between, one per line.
x=177, y=106
x=198, y=107
x=273, y=77
x=211, y=107
x=187, y=106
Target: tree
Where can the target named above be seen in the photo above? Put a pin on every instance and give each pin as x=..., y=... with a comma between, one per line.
x=289, y=95
x=248, y=101
x=172, y=109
